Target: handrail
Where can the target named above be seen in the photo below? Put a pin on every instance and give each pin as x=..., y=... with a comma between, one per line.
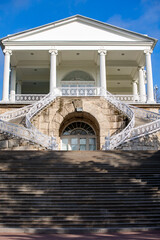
x=28, y=97
x=145, y=114
x=49, y=142
x=17, y=113
x=117, y=139
x=143, y=130
x=30, y=133
x=34, y=135
x=37, y=106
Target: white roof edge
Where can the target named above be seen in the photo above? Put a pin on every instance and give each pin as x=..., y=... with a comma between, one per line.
x=76, y=17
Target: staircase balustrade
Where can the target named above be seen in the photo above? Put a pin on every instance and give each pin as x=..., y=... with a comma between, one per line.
x=34, y=135
x=17, y=113
x=28, y=97
x=142, y=113
x=117, y=139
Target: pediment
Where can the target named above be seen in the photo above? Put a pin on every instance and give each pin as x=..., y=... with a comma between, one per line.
x=77, y=28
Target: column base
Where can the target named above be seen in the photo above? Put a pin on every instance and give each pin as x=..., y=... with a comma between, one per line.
x=5, y=101
x=151, y=101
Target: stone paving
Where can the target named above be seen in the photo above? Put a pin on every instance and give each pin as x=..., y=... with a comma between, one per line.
x=154, y=235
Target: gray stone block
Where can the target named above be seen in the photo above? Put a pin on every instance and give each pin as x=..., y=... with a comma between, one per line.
x=13, y=143
x=3, y=144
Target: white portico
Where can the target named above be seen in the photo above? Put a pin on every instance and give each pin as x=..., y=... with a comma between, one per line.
x=79, y=57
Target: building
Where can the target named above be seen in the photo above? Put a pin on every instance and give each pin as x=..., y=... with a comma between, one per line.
x=74, y=79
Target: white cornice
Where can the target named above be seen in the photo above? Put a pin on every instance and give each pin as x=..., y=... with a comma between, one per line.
x=77, y=43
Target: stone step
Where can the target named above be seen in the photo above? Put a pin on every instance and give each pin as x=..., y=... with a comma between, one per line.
x=74, y=221
x=85, y=217
x=80, y=191
x=81, y=201
x=83, y=225
x=79, y=198
x=77, y=206
x=83, y=211
x=74, y=191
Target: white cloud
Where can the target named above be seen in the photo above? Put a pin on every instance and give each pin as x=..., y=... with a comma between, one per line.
x=147, y=23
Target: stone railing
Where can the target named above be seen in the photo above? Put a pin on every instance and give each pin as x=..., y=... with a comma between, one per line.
x=50, y=142
x=80, y=91
x=71, y=91
x=28, y=97
x=144, y=130
x=125, y=98
x=27, y=134
x=17, y=113
x=117, y=139
x=30, y=133
x=142, y=113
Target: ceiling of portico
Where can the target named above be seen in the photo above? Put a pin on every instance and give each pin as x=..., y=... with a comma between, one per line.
x=112, y=58
x=121, y=65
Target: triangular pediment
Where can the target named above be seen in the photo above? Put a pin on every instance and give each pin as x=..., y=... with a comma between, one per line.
x=77, y=28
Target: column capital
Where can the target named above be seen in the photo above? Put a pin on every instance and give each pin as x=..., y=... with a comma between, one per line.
x=148, y=51
x=13, y=67
x=6, y=51
x=141, y=68
x=53, y=52
x=134, y=81
x=102, y=52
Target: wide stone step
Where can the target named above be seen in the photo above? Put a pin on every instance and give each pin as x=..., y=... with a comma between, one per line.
x=89, y=211
x=77, y=180
x=74, y=221
x=76, y=206
x=79, y=191
x=78, y=198
x=80, y=201
x=78, y=225
x=111, y=216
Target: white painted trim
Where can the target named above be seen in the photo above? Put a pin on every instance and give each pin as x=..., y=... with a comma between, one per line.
x=76, y=47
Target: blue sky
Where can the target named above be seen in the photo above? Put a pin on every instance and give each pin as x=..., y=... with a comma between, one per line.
x=142, y=16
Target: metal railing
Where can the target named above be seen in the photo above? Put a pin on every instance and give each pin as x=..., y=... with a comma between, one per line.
x=80, y=91
x=117, y=139
x=32, y=134
x=72, y=91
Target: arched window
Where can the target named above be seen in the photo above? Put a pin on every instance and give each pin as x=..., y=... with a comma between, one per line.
x=78, y=76
x=78, y=136
x=78, y=128
x=78, y=83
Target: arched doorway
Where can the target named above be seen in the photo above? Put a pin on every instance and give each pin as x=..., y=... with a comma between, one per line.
x=78, y=136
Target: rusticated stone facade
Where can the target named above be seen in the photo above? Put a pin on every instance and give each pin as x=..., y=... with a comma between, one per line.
x=95, y=111
x=148, y=142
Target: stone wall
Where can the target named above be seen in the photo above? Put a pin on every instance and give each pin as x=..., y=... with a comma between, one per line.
x=96, y=111
x=148, y=142
x=13, y=143
x=10, y=107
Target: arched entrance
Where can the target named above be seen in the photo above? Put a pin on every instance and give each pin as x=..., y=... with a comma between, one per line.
x=78, y=136
x=79, y=132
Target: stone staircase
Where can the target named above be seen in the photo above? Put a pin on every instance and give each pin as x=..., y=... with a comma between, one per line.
x=72, y=192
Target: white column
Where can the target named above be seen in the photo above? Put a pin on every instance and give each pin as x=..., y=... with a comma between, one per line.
x=13, y=84
x=53, y=77
x=135, y=91
x=6, y=75
x=103, y=84
x=150, y=93
x=142, y=90
x=19, y=87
